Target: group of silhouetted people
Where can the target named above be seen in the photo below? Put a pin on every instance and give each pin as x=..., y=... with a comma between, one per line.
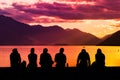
x=83, y=60
x=45, y=59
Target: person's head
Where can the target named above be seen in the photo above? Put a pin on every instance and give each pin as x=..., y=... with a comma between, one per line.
x=61, y=50
x=45, y=50
x=99, y=50
x=83, y=51
x=32, y=50
x=15, y=50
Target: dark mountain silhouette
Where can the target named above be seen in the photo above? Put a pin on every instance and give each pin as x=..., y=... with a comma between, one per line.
x=13, y=32
x=105, y=37
x=113, y=40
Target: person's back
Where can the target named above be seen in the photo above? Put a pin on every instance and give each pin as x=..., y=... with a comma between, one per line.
x=15, y=59
x=45, y=59
x=100, y=58
x=60, y=59
x=99, y=63
x=32, y=57
x=83, y=60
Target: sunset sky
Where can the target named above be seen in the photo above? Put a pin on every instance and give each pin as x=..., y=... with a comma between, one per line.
x=98, y=17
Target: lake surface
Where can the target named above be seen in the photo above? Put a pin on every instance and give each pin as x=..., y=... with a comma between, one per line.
x=112, y=53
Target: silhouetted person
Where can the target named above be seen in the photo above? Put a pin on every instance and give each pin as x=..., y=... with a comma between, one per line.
x=60, y=59
x=46, y=59
x=83, y=60
x=99, y=60
x=15, y=59
x=100, y=57
x=32, y=57
x=98, y=66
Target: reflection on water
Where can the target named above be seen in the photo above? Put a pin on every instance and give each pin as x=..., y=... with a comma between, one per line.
x=112, y=53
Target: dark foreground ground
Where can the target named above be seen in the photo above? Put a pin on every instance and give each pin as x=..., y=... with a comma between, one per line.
x=71, y=73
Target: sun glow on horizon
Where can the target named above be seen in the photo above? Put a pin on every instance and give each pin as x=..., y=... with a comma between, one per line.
x=99, y=28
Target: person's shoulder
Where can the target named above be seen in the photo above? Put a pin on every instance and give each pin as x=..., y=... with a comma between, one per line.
x=64, y=54
x=103, y=54
x=35, y=54
x=29, y=54
x=41, y=54
x=48, y=53
x=79, y=53
x=11, y=53
x=87, y=53
x=18, y=53
x=56, y=53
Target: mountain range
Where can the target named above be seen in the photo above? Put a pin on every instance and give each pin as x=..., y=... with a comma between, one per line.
x=13, y=32
x=112, y=40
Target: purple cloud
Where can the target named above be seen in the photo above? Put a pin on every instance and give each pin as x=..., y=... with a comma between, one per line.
x=3, y=12
x=24, y=18
x=103, y=9
x=110, y=4
x=54, y=6
x=63, y=11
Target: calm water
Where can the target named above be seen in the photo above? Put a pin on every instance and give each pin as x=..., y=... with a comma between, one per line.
x=112, y=53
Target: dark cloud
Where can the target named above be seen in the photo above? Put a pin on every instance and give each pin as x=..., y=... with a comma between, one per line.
x=102, y=9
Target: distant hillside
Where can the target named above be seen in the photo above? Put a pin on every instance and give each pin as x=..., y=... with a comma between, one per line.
x=113, y=40
x=13, y=32
x=104, y=38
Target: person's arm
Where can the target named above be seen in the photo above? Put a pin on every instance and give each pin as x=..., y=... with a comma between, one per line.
x=55, y=59
x=50, y=58
x=10, y=60
x=104, y=59
x=89, y=60
x=40, y=60
x=65, y=59
x=78, y=60
x=19, y=59
x=36, y=58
